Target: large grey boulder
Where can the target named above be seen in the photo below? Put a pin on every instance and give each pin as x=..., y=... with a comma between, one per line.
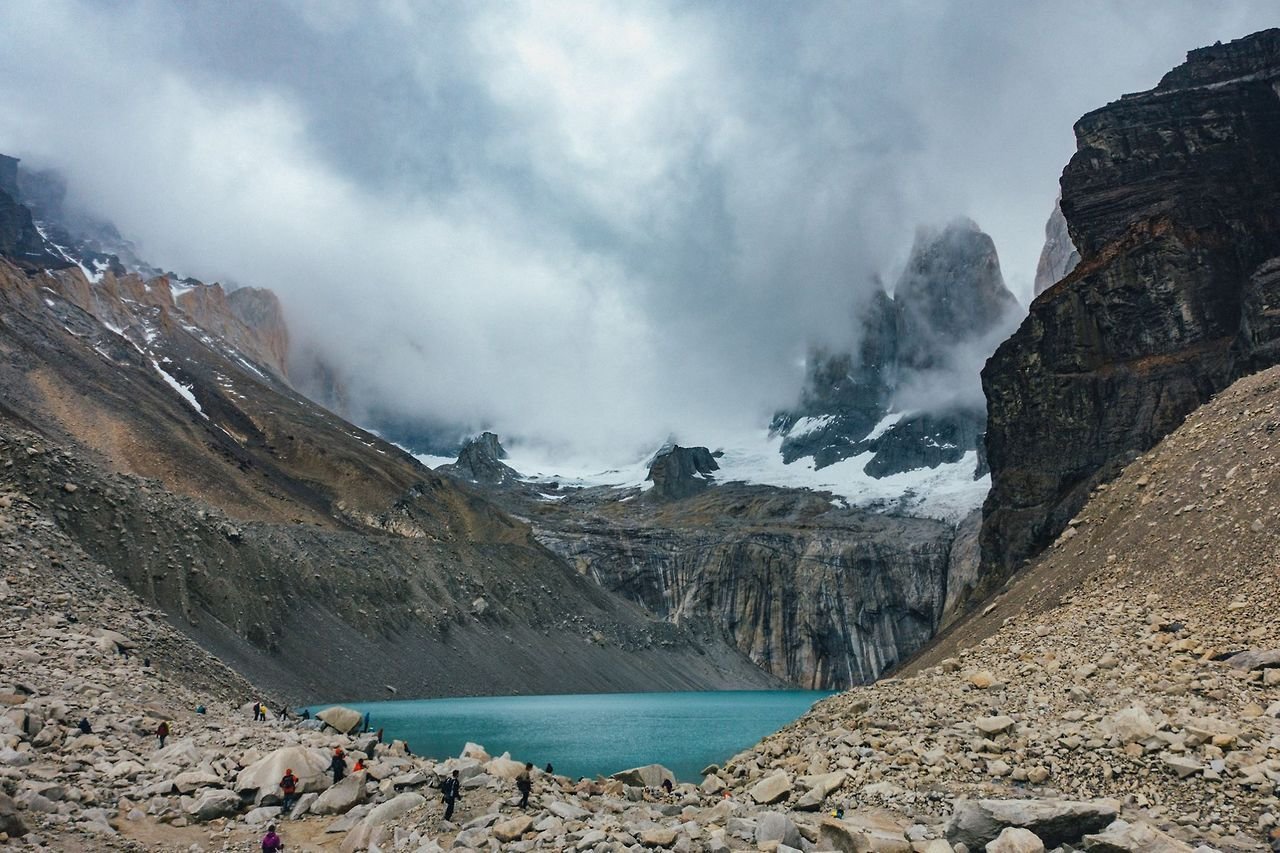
x=10, y=822
x=1255, y=659
x=977, y=822
x=650, y=776
x=1015, y=839
x=394, y=809
x=345, y=720
x=1124, y=837
x=771, y=789
x=776, y=826
x=215, y=803
x=262, y=777
x=342, y=797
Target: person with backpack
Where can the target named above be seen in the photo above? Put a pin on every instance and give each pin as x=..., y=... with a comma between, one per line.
x=338, y=765
x=452, y=790
x=162, y=732
x=271, y=842
x=524, y=784
x=289, y=790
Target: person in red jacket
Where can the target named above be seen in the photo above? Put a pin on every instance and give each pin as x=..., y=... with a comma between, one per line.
x=162, y=732
x=289, y=790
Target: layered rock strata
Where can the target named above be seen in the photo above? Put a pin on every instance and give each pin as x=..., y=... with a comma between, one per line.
x=1172, y=199
x=818, y=596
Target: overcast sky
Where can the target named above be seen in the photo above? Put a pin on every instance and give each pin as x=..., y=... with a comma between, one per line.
x=594, y=222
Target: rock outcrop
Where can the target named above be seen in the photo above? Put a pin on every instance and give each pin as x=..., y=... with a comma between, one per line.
x=248, y=318
x=1173, y=199
x=916, y=353
x=20, y=241
x=678, y=472
x=1059, y=256
x=480, y=461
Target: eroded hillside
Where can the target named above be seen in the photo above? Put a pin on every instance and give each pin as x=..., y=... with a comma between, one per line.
x=290, y=542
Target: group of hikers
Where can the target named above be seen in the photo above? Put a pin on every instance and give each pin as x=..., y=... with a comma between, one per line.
x=261, y=713
x=450, y=788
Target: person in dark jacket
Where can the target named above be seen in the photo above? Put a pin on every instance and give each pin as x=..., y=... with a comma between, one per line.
x=338, y=765
x=271, y=842
x=162, y=732
x=452, y=790
x=524, y=784
x=85, y=728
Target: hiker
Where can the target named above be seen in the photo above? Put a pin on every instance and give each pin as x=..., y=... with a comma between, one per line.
x=366, y=722
x=257, y=711
x=289, y=788
x=549, y=770
x=379, y=735
x=338, y=765
x=146, y=662
x=524, y=784
x=271, y=842
x=359, y=765
x=85, y=728
x=452, y=790
x=283, y=713
x=162, y=732
x=262, y=710
x=666, y=787
x=306, y=713
x=200, y=709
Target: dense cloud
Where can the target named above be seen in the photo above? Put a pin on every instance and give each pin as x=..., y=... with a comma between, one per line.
x=589, y=222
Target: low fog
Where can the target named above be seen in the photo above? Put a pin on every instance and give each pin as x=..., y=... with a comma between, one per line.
x=589, y=224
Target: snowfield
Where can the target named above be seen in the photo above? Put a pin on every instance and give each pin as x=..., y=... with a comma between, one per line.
x=948, y=492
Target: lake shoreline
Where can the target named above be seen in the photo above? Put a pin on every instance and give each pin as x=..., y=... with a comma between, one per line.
x=593, y=735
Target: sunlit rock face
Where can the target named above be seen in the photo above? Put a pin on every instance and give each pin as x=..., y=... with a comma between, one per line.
x=916, y=352
x=1173, y=199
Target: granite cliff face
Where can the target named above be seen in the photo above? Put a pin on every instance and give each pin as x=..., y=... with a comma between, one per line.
x=916, y=353
x=1173, y=199
x=1059, y=256
x=818, y=596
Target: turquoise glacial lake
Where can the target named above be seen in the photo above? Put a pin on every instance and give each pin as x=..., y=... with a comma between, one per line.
x=594, y=734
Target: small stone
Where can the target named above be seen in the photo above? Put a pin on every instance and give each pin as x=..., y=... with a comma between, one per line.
x=1015, y=839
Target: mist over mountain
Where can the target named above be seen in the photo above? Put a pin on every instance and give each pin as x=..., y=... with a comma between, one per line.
x=593, y=227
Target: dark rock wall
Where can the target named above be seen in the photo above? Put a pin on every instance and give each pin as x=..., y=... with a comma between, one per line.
x=821, y=598
x=1173, y=199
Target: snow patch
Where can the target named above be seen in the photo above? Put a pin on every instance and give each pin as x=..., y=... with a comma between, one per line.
x=887, y=423
x=804, y=426
x=184, y=391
